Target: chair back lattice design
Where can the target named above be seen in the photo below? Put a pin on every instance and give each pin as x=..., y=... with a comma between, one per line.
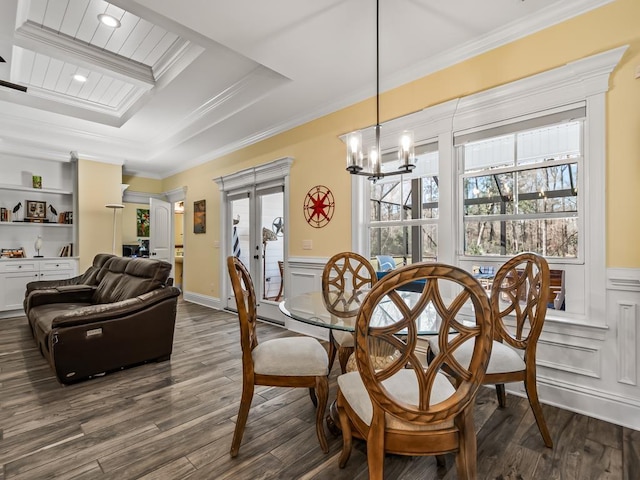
x=245, y=296
x=346, y=279
x=468, y=315
x=520, y=291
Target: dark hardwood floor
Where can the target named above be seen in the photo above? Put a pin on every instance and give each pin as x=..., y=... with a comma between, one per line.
x=175, y=419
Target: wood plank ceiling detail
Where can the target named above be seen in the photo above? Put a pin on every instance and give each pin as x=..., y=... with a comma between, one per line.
x=47, y=58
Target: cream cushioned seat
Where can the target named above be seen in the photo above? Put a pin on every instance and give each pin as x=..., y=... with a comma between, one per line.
x=404, y=387
x=295, y=356
x=344, y=339
x=503, y=357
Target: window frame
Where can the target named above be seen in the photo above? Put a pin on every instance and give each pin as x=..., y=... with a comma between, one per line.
x=580, y=214
x=414, y=224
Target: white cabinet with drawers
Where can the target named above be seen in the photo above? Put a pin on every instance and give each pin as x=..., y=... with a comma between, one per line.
x=16, y=273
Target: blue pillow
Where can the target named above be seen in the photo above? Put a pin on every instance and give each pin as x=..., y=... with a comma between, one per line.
x=386, y=263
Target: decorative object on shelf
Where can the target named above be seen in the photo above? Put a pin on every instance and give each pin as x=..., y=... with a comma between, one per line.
x=54, y=214
x=15, y=211
x=115, y=207
x=200, y=216
x=355, y=155
x=36, y=180
x=12, y=253
x=38, y=245
x=318, y=206
x=36, y=211
x=278, y=226
x=4, y=214
x=142, y=222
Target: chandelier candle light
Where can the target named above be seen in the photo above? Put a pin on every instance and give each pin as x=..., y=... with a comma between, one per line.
x=355, y=156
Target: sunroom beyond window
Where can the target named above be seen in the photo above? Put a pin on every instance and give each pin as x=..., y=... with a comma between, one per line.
x=520, y=192
x=404, y=211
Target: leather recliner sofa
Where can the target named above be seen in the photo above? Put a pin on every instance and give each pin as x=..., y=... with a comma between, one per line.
x=126, y=317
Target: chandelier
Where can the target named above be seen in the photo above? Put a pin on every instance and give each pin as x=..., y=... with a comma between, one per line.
x=371, y=164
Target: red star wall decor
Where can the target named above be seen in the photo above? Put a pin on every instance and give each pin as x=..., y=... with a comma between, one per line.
x=318, y=206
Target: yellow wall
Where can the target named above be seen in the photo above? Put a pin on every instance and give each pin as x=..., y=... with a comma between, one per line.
x=98, y=185
x=319, y=154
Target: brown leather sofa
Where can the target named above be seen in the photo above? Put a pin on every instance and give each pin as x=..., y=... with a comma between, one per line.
x=87, y=278
x=126, y=317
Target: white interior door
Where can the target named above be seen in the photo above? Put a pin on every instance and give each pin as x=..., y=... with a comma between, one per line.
x=161, y=231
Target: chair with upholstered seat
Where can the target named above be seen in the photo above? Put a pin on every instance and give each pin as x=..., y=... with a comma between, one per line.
x=346, y=278
x=519, y=295
x=404, y=407
x=280, y=362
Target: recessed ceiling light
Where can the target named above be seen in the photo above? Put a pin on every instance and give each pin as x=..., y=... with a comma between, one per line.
x=109, y=21
x=79, y=78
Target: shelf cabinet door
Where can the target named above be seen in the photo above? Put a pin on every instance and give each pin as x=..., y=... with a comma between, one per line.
x=13, y=285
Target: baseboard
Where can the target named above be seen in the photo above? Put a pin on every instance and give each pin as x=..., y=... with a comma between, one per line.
x=606, y=406
x=205, y=300
x=12, y=313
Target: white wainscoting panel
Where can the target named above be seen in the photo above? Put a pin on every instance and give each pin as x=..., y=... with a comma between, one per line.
x=305, y=275
x=627, y=343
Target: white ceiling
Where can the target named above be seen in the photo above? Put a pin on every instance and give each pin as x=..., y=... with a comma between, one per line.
x=180, y=83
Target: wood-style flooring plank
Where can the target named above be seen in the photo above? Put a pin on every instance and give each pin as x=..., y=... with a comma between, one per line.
x=175, y=420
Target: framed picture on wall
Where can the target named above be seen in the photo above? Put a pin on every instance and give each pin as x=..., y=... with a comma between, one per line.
x=199, y=216
x=142, y=222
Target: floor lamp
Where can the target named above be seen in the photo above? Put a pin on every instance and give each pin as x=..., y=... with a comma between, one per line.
x=115, y=207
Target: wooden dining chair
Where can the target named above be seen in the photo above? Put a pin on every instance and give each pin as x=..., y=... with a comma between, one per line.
x=405, y=407
x=519, y=296
x=280, y=362
x=346, y=279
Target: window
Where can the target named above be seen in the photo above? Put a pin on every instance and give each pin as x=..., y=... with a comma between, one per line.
x=404, y=210
x=518, y=167
x=520, y=190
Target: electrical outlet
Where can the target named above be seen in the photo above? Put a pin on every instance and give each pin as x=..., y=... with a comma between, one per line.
x=216, y=244
x=638, y=71
x=307, y=244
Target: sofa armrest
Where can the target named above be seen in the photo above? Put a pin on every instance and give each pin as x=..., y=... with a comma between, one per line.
x=49, y=284
x=61, y=294
x=109, y=311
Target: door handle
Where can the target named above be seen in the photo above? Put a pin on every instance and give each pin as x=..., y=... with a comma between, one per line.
x=256, y=257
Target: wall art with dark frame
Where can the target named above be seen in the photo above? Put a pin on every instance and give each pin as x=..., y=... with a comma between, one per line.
x=35, y=211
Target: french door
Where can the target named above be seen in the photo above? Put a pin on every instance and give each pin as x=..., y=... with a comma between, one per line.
x=254, y=231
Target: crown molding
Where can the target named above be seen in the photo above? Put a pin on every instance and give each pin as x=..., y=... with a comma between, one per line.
x=273, y=170
x=220, y=107
x=553, y=15
x=141, y=197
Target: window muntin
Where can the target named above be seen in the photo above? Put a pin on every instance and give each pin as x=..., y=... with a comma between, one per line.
x=404, y=210
x=520, y=192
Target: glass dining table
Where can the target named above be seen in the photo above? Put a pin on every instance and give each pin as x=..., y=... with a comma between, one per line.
x=311, y=308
